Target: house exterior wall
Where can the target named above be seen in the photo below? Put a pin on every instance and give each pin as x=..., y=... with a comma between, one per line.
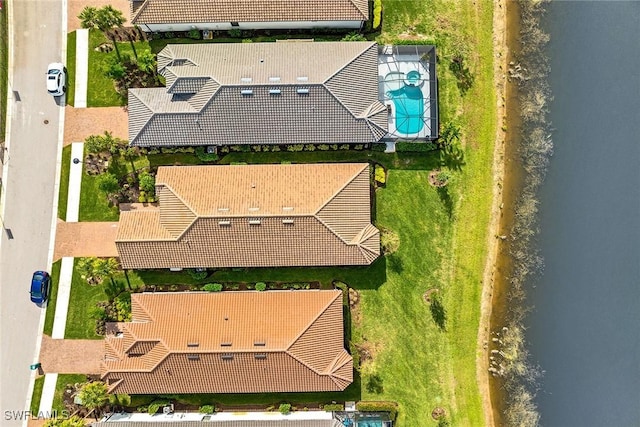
x=225, y=26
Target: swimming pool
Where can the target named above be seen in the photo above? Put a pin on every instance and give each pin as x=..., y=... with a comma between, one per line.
x=408, y=101
x=369, y=422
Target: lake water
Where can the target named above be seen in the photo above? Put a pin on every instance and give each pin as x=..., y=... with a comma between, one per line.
x=585, y=328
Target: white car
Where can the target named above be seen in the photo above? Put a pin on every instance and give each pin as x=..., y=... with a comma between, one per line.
x=56, y=79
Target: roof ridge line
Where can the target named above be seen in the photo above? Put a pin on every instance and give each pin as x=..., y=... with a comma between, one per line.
x=287, y=349
x=336, y=194
x=339, y=70
x=144, y=6
x=363, y=13
x=195, y=215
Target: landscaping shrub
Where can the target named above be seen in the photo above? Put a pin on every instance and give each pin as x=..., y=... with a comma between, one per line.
x=120, y=399
x=354, y=37
x=380, y=175
x=377, y=14
x=295, y=147
x=415, y=146
x=333, y=407
x=212, y=287
x=197, y=275
x=309, y=147
x=261, y=286
x=389, y=240
x=323, y=147
x=379, y=406
x=155, y=406
x=204, y=155
x=195, y=34
x=207, y=409
x=147, y=183
x=378, y=147
x=235, y=33
x=284, y=408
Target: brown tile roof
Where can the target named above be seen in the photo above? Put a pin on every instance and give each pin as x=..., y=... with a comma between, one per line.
x=253, y=216
x=230, y=342
x=261, y=93
x=210, y=11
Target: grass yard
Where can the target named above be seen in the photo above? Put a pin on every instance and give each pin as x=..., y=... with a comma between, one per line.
x=37, y=394
x=80, y=321
x=101, y=91
x=63, y=194
x=94, y=205
x=53, y=298
x=71, y=67
x=63, y=380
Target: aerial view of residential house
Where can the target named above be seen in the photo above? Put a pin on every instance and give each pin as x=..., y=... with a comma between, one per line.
x=253, y=216
x=230, y=342
x=185, y=15
x=261, y=93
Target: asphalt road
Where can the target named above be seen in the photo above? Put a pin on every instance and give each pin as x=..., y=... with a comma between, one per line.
x=28, y=207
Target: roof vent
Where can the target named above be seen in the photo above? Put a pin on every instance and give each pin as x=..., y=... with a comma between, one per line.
x=259, y=343
x=224, y=222
x=193, y=356
x=227, y=356
x=193, y=344
x=246, y=92
x=274, y=79
x=246, y=79
x=225, y=344
x=274, y=91
x=287, y=221
x=254, y=222
x=302, y=91
x=261, y=356
x=303, y=79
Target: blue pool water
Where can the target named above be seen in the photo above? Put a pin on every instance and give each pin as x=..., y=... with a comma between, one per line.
x=369, y=422
x=409, y=106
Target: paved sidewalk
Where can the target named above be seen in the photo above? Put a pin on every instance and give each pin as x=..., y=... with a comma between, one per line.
x=83, y=122
x=75, y=181
x=48, y=391
x=82, y=68
x=62, y=301
x=85, y=239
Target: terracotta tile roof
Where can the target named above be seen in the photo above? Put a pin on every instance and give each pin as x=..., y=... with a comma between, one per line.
x=210, y=11
x=230, y=342
x=261, y=93
x=253, y=216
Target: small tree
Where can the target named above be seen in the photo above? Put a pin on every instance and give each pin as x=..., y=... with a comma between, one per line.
x=108, y=183
x=146, y=62
x=94, y=270
x=147, y=183
x=104, y=143
x=94, y=395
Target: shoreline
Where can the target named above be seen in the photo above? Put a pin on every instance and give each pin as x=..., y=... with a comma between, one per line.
x=500, y=56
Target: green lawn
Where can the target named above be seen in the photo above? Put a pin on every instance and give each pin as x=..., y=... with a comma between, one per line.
x=94, y=205
x=53, y=298
x=80, y=321
x=37, y=394
x=63, y=194
x=4, y=69
x=101, y=90
x=71, y=67
x=63, y=380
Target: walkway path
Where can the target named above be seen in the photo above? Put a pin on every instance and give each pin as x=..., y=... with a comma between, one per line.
x=82, y=68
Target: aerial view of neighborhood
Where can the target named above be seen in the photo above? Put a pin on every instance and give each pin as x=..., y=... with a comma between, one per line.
x=283, y=213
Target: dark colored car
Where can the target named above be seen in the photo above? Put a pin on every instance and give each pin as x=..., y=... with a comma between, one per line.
x=40, y=286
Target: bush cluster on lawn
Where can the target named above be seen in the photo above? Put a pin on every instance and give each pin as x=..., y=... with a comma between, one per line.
x=261, y=286
x=380, y=175
x=377, y=14
x=285, y=408
x=212, y=287
x=333, y=407
x=207, y=409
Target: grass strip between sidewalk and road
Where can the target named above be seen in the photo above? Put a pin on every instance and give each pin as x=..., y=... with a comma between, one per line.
x=71, y=67
x=37, y=394
x=53, y=298
x=63, y=194
x=4, y=69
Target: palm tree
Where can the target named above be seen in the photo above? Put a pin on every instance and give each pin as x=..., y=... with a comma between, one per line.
x=103, y=19
x=147, y=63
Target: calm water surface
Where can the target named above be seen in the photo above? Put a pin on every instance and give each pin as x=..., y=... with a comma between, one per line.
x=585, y=329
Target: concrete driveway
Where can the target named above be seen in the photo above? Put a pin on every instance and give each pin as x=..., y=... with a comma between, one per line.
x=85, y=239
x=71, y=356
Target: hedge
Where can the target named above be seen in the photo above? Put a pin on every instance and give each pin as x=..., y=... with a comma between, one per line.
x=379, y=406
x=377, y=14
x=333, y=407
x=415, y=146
